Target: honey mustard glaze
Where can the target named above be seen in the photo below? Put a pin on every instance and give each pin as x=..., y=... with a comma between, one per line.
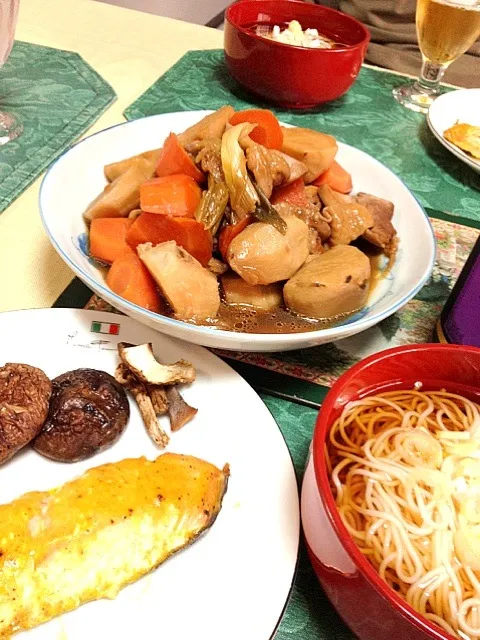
x=92, y=536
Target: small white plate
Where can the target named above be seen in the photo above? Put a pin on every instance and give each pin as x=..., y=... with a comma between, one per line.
x=455, y=106
x=235, y=580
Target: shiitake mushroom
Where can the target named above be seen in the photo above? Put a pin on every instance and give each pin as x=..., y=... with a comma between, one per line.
x=24, y=397
x=88, y=412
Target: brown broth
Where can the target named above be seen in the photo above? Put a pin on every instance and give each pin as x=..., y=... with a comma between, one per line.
x=244, y=319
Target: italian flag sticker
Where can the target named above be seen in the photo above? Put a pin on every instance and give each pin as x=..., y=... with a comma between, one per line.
x=105, y=327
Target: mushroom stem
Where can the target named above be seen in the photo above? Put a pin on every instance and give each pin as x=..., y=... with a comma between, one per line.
x=125, y=377
x=159, y=399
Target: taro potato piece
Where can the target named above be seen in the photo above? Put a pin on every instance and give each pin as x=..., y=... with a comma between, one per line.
x=88, y=412
x=24, y=396
x=115, y=169
x=331, y=284
x=191, y=290
x=261, y=255
x=266, y=297
x=315, y=149
x=122, y=195
x=211, y=126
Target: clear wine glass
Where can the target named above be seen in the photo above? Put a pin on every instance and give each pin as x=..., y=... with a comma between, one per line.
x=445, y=30
x=10, y=126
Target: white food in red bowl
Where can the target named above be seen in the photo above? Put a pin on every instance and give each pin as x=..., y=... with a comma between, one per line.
x=77, y=178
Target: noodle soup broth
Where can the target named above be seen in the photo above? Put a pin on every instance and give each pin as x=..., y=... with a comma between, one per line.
x=405, y=476
x=400, y=556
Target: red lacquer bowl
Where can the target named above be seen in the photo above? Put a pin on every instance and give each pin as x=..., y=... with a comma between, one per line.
x=296, y=77
x=367, y=604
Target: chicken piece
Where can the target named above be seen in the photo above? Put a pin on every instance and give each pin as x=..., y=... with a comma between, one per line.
x=311, y=193
x=271, y=167
x=330, y=285
x=99, y=532
x=315, y=149
x=315, y=242
x=311, y=215
x=349, y=222
x=207, y=154
x=465, y=137
x=265, y=297
x=115, y=169
x=329, y=196
x=268, y=166
x=217, y=267
x=141, y=361
x=211, y=126
x=179, y=411
x=261, y=255
x=297, y=168
x=122, y=195
x=382, y=233
x=191, y=290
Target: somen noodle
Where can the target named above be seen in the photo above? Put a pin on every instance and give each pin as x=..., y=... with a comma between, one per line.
x=405, y=472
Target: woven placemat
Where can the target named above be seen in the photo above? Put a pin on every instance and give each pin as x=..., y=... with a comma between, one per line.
x=367, y=117
x=57, y=97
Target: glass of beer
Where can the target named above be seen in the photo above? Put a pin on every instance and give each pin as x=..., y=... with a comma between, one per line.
x=445, y=30
x=10, y=127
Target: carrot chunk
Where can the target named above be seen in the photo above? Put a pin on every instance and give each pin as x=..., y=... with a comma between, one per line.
x=129, y=278
x=186, y=232
x=267, y=132
x=108, y=238
x=177, y=195
x=228, y=233
x=336, y=177
x=174, y=159
x=294, y=193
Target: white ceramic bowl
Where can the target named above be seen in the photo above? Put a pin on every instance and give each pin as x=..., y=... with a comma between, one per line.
x=77, y=177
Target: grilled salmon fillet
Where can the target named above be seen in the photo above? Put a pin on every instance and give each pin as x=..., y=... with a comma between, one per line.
x=92, y=536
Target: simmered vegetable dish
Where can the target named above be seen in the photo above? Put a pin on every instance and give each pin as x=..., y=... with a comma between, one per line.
x=240, y=224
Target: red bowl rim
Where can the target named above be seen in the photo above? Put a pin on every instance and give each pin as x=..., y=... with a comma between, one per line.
x=344, y=16
x=326, y=495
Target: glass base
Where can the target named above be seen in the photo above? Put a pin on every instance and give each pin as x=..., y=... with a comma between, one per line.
x=10, y=127
x=415, y=97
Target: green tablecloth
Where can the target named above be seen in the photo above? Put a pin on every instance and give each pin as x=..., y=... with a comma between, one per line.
x=309, y=615
x=367, y=117
x=57, y=97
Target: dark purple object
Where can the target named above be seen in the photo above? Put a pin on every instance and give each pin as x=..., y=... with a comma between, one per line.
x=460, y=317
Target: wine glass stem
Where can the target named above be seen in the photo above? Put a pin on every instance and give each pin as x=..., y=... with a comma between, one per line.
x=430, y=76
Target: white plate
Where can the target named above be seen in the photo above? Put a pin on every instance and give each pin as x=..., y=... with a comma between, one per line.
x=233, y=582
x=455, y=106
x=77, y=177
